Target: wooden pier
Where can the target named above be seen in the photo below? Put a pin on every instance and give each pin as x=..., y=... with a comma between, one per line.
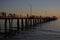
x=29, y=22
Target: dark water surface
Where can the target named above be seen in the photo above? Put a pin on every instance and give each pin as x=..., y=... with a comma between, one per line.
x=45, y=31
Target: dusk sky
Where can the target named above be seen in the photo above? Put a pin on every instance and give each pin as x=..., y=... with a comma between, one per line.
x=39, y=7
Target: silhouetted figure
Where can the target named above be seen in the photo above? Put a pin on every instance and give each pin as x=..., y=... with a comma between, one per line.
x=14, y=15
x=10, y=15
x=54, y=17
x=3, y=14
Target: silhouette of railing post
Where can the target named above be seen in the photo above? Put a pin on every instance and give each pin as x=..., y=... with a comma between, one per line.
x=5, y=25
x=17, y=24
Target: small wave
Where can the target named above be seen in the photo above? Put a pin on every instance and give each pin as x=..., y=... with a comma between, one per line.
x=51, y=31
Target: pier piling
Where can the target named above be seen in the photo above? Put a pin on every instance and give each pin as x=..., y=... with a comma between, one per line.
x=18, y=25
x=26, y=23
x=5, y=25
x=22, y=25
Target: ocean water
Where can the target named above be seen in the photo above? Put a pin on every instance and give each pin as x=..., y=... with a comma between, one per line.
x=45, y=31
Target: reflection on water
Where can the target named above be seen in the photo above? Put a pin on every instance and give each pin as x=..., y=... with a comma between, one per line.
x=54, y=25
x=45, y=31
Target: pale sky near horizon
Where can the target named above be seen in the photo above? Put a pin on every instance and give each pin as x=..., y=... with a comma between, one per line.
x=39, y=7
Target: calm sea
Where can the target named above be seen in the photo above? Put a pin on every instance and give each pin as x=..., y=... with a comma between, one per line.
x=45, y=31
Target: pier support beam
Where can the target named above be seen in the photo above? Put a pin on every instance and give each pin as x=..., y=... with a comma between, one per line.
x=30, y=22
x=5, y=25
x=26, y=23
x=10, y=25
x=33, y=21
x=17, y=24
x=22, y=25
